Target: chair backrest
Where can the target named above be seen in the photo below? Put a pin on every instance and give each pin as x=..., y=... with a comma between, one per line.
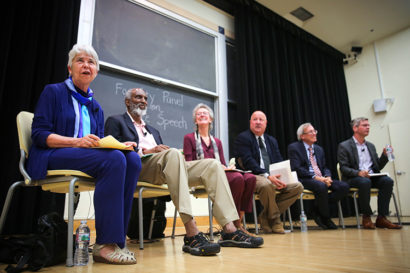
x=339, y=173
x=24, y=121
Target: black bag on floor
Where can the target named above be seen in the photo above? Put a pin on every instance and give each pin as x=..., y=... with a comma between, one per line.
x=34, y=251
x=160, y=221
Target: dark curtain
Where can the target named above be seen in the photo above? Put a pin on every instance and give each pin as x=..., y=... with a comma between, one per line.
x=292, y=76
x=36, y=38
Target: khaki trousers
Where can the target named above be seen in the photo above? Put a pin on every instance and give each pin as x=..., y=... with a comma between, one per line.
x=169, y=167
x=275, y=204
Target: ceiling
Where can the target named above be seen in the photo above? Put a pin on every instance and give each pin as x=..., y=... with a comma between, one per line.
x=346, y=23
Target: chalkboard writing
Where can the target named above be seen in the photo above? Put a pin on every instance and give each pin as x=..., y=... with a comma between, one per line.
x=169, y=108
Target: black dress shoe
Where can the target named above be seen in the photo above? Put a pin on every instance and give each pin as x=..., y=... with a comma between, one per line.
x=319, y=221
x=329, y=223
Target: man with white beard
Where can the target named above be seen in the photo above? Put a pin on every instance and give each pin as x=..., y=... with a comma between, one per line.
x=167, y=165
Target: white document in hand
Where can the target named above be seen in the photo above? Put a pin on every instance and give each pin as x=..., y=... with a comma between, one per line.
x=282, y=168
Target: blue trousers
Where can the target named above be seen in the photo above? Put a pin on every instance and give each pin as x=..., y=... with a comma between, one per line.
x=116, y=173
x=364, y=184
x=339, y=189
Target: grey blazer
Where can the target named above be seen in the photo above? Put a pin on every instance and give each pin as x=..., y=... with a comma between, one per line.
x=348, y=159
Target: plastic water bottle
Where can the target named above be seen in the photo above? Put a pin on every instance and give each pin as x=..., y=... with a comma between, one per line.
x=303, y=221
x=82, y=240
x=389, y=152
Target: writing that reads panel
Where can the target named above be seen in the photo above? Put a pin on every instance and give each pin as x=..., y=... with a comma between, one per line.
x=169, y=109
x=134, y=37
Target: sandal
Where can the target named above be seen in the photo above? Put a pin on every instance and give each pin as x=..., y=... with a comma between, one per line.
x=116, y=257
x=127, y=251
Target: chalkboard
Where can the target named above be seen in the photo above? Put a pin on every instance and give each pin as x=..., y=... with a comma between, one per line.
x=131, y=36
x=169, y=108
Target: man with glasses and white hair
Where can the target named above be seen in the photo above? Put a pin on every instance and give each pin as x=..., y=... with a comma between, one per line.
x=358, y=162
x=308, y=160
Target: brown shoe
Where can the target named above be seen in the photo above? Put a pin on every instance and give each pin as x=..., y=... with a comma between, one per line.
x=265, y=225
x=277, y=226
x=367, y=222
x=382, y=222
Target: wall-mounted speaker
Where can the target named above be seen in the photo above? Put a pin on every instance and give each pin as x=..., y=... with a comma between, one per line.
x=379, y=105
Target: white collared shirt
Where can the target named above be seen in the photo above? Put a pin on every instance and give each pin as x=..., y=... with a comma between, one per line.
x=365, y=161
x=146, y=140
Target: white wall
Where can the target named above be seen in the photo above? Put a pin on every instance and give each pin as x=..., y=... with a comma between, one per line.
x=365, y=83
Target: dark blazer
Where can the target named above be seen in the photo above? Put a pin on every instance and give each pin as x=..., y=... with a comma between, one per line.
x=122, y=128
x=246, y=150
x=300, y=162
x=348, y=158
x=55, y=114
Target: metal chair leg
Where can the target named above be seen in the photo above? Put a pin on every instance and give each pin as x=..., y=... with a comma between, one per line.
x=356, y=209
x=151, y=224
x=70, y=229
x=302, y=208
x=7, y=203
x=211, y=232
x=341, y=220
x=301, y=202
x=140, y=222
x=255, y=215
x=174, y=224
x=397, y=209
x=244, y=221
x=290, y=219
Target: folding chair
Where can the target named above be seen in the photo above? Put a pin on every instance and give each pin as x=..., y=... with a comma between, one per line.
x=147, y=190
x=198, y=192
x=255, y=214
x=309, y=195
x=354, y=192
x=59, y=181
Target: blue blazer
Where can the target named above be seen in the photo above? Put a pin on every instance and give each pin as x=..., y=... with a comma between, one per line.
x=246, y=150
x=122, y=128
x=300, y=162
x=55, y=114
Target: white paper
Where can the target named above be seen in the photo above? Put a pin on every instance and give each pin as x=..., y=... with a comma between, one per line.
x=283, y=168
x=378, y=174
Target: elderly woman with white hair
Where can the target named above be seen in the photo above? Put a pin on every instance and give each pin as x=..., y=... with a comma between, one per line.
x=67, y=122
x=201, y=144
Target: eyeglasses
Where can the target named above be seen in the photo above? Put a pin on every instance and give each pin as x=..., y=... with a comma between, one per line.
x=312, y=132
x=202, y=114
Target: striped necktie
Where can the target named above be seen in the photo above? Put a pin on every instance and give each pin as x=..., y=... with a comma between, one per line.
x=312, y=159
x=265, y=156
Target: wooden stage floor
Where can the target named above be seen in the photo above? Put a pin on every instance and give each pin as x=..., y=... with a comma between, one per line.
x=348, y=250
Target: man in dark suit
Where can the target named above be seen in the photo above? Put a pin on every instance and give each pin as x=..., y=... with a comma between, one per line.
x=167, y=165
x=308, y=160
x=255, y=151
x=358, y=162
